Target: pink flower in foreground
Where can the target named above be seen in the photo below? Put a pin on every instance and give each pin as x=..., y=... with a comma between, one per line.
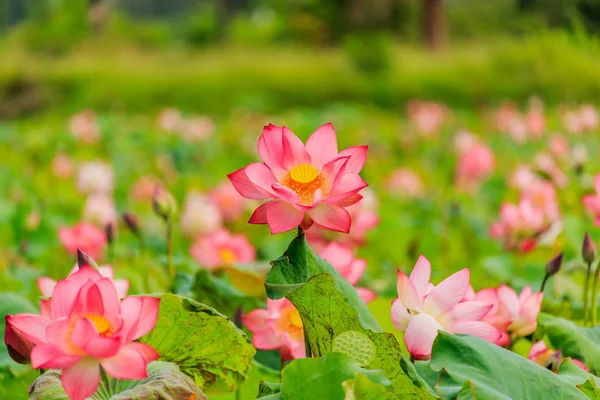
x=541, y=354
x=522, y=311
x=221, y=248
x=421, y=310
x=85, y=326
x=404, y=183
x=352, y=269
x=591, y=202
x=277, y=327
x=47, y=285
x=84, y=236
x=230, y=203
x=304, y=184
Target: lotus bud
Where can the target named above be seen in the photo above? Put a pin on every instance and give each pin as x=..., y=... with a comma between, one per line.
x=85, y=259
x=163, y=203
x=19, y=348
x=109, y=230
x=131, y=222
x=588, y=249
x=553, y=362
x=553, y=266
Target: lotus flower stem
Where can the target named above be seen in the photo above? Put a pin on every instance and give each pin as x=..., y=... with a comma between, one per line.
x=544, y=282
x=169, y=236
x=586, y=286
x=595, y=296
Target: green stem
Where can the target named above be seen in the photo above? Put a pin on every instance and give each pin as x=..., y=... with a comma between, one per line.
x=170, y=265
x=586, y=286
x=300, y=232
x=595, y=296
x=544, y=282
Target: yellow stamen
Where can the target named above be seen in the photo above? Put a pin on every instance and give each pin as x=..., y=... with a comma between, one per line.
x=102, y=325
x=295, y=319
x=227, y=256
x=305, y=180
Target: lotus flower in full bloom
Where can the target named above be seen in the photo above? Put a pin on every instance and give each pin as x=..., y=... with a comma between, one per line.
x=84, y=326
x=591, y=202
x=422, y=309
x=542, y=355
x=84, y=236
x=277, y=327
x=47, y=285
x=303, y=184
x=340, y=256
x=221, y=248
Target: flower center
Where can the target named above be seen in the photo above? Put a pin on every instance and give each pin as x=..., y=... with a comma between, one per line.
x=227, y=256
x=102, y=325
x=305, y=180
x=295, y=319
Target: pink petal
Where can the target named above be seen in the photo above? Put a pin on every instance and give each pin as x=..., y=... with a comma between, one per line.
x=537, y=349
x=122, y=286
x=333, y=171
x=331, y=217
x=63, y=297
x=448, y=293
x=128, y=364
x=525, y=294
x=102, y=347
x=81, y=380
x=358, y=156
x=294, y=152
x=282, y=217
x=421, y=274
x=348, y=185
x=469, y=311
x=420, y=334
x=366, y=295
x=356, y=271
x=89, y=301
x=266, y=339
x=270, y=149
x=284, y=193
x=46, y=285
x=400, y=315
x=355, y=198
x=408, y=294
x=147, y=351
x=140, y=314
x=245, y=187
x=255, y=320
x=509, y=299
x=476, y=328
x=45, y=308
x=110, y=298
x=322, y=145
x=84, y=274
x=106, y=271
x=50, y=356
x=83, y=332
x=32, y=326
x=296, y=348
x=259, y=216
x=532, y=306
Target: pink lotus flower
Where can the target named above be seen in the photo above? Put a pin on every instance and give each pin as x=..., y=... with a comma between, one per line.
x=229, y=202
x=100, y=210
x=364, y=217
x=95, y=177
x=521, y=311
x=47, y=285
x=428, y=117
x=197, y=128
x=304, y=184
x=548, y=166
x=62, y=166
x=170, y=120
x=404, y=183
x=340, y=256
x=200, y=216
x=84, y=236
x=559, y=146
x=542, y=195
x=18, y=346
x=522, y=176
x=143, y=188
x=490, y=296
x=85, y=326
x=475, y=164
x=221, y=248
x=591, y=202
x=422, y=309
x=277, y=327
x=84, y=127
x=541, y=354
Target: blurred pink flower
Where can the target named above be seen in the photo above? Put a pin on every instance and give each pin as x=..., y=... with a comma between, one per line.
x=542, y=195
x=535, y=118
x=576, y=121
x=84, y=326
x=199, y=216
x=47, y=285
x=522, y=176
x=142, y=189
x=428, y=117
x=100, y=210
x=95, y=177
x=341, y=257
x=522, y=311
x=589, y=117
x=505, y=115
x=221, y=248
x=540, y=354
x=475, y=164
x=62, y=166
x=84, y=236
x=197, y=128
x=422, y=309
x=84, y=127
x=548, y=165
x=591, y=202
x=404, y=182
x=304, y=184
x=170, y=120
x=277, y=327
x=559, y=146
x=230, y=203
x=518, y=226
